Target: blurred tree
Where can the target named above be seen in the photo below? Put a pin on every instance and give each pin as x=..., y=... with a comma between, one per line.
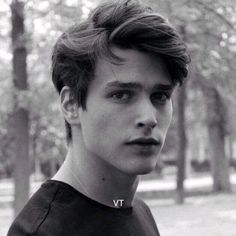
x=216, y=123
x=182, y=143
x=44, y=22
x=211, y=76
x=21, y=113
x=210, y=30
x=212, y=42
x=5, y=93
x=182, y=136
x=216, y=119
x=170, y=9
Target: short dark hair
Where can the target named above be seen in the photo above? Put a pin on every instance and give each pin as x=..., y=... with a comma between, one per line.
x=124, y=24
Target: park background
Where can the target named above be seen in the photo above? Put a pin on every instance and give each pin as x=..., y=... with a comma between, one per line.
x=193, y=189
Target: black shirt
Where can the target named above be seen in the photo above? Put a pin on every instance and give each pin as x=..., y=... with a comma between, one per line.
x=57, y=209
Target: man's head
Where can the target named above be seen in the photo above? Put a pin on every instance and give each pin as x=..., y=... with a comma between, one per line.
x=123, y=25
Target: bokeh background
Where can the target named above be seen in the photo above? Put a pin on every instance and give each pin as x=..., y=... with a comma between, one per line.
x=193, y=188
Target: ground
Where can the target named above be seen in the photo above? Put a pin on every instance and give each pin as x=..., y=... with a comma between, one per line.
x=212, y=215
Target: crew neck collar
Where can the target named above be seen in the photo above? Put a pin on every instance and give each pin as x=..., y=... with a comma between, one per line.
x=97, y=204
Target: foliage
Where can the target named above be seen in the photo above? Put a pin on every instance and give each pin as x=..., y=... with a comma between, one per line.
x=211, y=38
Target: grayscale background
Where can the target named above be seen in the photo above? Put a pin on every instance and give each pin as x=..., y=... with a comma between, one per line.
x=193, y=189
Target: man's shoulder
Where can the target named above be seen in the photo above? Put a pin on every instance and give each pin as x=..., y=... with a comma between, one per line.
x=35, y=211
x=140, y=204
x=143, y=211
x=53, y=205
x=56, y=204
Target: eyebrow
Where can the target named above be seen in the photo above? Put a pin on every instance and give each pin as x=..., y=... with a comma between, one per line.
x=164, y=87
x=131, y=85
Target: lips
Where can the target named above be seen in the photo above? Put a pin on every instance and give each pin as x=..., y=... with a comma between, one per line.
x=144, y=142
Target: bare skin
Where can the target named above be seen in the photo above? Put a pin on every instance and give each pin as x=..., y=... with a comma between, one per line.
x=98, y=184
x=124, y=103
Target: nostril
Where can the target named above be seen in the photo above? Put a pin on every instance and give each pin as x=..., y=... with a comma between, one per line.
x=140, y=125
x=151, y=125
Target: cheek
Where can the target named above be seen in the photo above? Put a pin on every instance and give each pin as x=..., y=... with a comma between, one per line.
x=102, y=134
x=170, y=112
x=166, y=116
x=100, y=127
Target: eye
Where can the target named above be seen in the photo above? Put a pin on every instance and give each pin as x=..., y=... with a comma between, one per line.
x=160, y=98
x=121, y=96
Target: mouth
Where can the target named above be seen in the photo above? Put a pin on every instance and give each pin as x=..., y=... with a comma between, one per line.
x=145, y=142
x=145, y=146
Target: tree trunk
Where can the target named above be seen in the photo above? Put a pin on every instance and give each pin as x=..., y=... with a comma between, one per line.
x=229, y=147
x=182, y=143
x=182, y=140
x=53, y=166
x=216, y=113
x=21, y=114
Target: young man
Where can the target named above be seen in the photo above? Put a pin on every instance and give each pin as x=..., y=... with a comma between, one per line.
x=115, y=73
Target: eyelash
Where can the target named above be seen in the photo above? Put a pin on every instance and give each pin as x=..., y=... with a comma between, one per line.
x=123, y=92
x=130, y=94
x=167, y=97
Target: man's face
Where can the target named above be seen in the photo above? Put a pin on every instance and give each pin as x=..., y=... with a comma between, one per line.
x=128, y=112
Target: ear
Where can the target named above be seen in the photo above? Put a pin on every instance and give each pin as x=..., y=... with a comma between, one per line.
x=69, y=106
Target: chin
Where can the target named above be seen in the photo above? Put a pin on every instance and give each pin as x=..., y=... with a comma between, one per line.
x=141, y=170
x=137, y=165
x=145, y=171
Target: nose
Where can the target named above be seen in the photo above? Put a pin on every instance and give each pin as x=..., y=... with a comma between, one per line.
x=147, y=118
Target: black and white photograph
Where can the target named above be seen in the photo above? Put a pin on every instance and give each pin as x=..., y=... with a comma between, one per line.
x=117, y=118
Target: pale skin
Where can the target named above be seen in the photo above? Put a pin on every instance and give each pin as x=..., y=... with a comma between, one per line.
x=124, y=103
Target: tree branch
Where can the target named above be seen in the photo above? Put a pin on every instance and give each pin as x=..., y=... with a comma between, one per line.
x=224, y=19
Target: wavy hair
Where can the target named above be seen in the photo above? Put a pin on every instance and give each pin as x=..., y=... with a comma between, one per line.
x=124, y=24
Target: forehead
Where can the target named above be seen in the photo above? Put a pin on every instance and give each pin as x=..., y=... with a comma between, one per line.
x=139, y=67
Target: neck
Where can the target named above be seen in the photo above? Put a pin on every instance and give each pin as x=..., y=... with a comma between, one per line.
x=95, y=178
